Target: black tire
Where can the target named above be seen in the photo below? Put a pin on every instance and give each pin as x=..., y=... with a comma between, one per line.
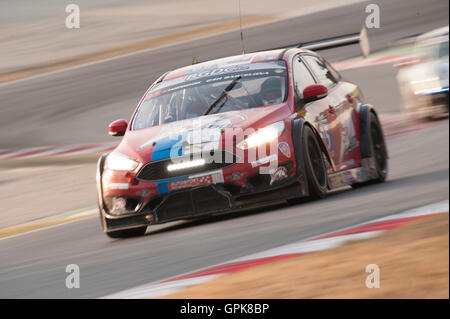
x=315, y=167
x=379, y=151
x=133, y=232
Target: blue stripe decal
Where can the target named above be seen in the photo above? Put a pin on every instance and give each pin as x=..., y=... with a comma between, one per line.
x=163, y=186
x=435, y=91
x=164, y=146
x=162, y=154
x=162, y=150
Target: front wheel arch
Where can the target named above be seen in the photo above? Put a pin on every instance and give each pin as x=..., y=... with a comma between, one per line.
x=100, y=168
x=371, y=150
x=298, y=127
x=364, y=129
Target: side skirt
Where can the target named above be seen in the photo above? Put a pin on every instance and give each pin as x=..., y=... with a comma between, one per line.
x=366, y=172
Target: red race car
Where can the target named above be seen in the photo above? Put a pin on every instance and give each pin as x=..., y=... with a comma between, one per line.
x=238, y=133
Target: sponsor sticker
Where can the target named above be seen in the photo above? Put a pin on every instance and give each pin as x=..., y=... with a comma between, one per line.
x=191, y=182
x=278, y=175
x=264, y=160
x=145, y=192
x=336, y=180
x=197, y=180
x=215, y=71
x=119, y=205
x=301, y=113
x=285, y=149
x=118, y=186
x=191, y=149
x=235, y=176
x=349, y=179
x=363, y=175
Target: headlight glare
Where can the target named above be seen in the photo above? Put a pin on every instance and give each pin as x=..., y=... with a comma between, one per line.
x=262, y=136
x=120, y=162
x=184, y=165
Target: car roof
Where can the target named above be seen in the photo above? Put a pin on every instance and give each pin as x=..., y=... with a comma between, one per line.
x=261, y=56
x=433, y=34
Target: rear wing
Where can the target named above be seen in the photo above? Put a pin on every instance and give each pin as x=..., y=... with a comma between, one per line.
x=330, y=43
x=335, y=42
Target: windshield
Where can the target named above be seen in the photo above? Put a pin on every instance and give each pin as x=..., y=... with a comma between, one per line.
x=433, y=48
x=443, y=50
x=192, y=95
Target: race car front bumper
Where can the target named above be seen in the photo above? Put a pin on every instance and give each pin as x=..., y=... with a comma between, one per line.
x=195, y=202
x=433, y=103
x=127, y=203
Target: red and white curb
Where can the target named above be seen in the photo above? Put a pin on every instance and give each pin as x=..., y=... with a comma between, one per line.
x=322, y=242
x=393, y=124
x=55, y=151
x=358, y=63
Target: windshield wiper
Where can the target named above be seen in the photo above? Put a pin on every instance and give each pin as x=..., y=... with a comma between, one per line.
x=224, y=93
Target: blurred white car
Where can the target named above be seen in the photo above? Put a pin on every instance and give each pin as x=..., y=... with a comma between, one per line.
x=423, y=79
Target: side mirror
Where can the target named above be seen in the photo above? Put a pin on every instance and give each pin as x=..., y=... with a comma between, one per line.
x=118, y=128
x=314, y=92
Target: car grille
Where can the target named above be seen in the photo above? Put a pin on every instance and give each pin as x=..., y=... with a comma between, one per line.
x=157, y=170
x=440, y=99
x=192, y=203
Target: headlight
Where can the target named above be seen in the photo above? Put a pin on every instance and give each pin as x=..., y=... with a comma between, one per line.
x=262, y=136
x=183, y=165
x=120, y=162
x=425, y=80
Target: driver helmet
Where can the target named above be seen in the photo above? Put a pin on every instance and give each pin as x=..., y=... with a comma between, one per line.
x=271, y=91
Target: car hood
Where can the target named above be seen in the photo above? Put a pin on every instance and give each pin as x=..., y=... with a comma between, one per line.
x=156, y=143
x=436, y=71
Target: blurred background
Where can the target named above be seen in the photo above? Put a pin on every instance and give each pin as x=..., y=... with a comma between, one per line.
x=34, y=32
x=60, y=88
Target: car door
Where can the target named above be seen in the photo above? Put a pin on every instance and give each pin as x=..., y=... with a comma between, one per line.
x=316, y=112
x=340, y=112
x=324, y=117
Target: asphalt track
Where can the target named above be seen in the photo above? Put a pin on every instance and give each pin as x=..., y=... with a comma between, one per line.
x=33, y=265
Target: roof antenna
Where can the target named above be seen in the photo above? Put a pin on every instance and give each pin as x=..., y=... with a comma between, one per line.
x=240, y=28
